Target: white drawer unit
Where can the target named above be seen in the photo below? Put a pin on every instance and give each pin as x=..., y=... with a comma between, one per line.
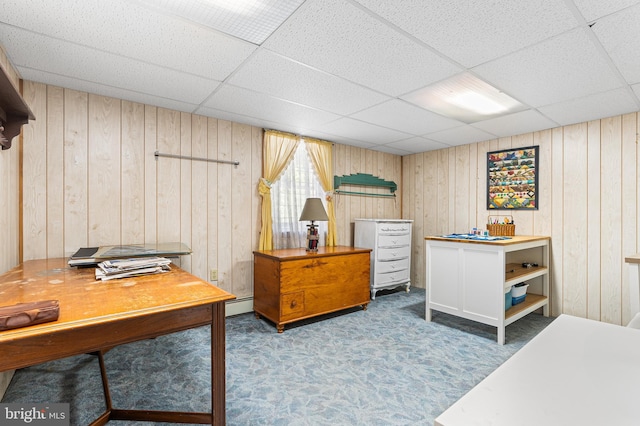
x=390, y=242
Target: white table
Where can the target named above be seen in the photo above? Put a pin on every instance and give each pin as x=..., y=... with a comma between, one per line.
x=575, y=372
x=468, y=278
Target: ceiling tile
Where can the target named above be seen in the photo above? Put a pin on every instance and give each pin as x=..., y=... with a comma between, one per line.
x=358, y=130
x=248, y=20
x=286, y=79
x=600, y=105
x=460, y=135
x=475, y=31
x=561, y=68
x=127, y=29
x=519, y=122
x=389, y=149
x=620, y=36
x=78, y=62
x=241, y=118
x=336, y=37
x=594, y=9
x=402, y=116
x=258, y=105
x=417, y=144
x=340, y=139
x=100, y=89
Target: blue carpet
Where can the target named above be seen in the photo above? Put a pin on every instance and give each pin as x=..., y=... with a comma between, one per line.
x=383, y=366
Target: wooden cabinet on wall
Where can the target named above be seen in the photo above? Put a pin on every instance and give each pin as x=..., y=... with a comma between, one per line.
x=292, y=284
x=390, y=241
x=14, y=111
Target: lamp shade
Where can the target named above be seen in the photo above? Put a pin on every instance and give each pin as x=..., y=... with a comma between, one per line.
x=313, y=210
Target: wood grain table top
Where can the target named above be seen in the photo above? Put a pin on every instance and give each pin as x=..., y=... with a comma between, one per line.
x=84, y=301
x=517, y=239
x=301, y=253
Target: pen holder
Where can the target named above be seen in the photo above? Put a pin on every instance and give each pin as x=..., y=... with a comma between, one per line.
x=501, y=229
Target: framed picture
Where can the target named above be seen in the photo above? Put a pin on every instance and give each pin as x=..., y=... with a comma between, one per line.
x=512, y=179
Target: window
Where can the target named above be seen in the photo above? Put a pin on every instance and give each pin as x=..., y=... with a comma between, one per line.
x=288, y=195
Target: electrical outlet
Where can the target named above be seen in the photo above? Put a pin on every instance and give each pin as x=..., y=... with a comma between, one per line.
x=213, y=275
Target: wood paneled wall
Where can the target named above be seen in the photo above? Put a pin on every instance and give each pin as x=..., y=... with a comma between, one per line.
x=9, y=204
x=9, y=188
x=351, y=160
x=91, y=178
x=589, y=204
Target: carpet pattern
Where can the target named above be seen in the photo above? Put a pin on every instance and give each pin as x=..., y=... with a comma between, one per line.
x=383, y=366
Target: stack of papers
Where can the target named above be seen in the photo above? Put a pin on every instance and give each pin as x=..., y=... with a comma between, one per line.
x=125, y=268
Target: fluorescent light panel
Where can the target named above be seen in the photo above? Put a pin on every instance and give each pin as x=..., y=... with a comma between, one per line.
x=249, y=20
x=466, y=98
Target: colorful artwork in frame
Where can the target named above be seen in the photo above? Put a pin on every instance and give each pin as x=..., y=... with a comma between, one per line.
x=512, y=179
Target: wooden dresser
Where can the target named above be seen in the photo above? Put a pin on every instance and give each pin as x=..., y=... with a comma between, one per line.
x=292, y=284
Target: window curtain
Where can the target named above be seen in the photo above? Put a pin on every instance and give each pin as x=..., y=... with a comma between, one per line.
x=320, y=153
x=277, y=151
x=289, y=193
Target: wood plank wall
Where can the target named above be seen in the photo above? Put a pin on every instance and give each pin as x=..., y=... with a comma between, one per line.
x=351, y=160
x=588, y=203
x=9, y=188
x=9, y=203
x=90, y=178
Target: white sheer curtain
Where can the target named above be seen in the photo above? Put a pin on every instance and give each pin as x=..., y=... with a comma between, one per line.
x=288, y=195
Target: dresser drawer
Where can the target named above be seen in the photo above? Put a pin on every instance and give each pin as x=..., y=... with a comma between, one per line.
x=393, y=253
x=394, y=240
x=392, y=265
x=392, y=277
x=394, y=229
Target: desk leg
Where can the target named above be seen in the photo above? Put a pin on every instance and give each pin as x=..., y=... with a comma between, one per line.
x=218, y=364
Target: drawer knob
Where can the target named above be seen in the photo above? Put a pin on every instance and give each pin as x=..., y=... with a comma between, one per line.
x=293, y=303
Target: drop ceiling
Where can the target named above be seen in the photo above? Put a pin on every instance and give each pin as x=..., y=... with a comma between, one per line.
x=348, y=71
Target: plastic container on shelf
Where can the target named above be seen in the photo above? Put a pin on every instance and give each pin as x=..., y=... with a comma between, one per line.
x=519, y=293
x=507, y=299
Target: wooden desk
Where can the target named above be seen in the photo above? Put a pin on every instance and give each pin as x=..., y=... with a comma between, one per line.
x=96, y=316
x=575, y=372
x=293, y=284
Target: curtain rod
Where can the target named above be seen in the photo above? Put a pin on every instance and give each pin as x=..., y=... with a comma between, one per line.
x=183, y=157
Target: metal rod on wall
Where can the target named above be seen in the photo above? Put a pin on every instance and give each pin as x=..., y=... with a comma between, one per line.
x=183, y=157
x=339, y=191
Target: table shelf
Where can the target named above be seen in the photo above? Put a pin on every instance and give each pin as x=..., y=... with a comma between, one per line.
x=531, y=302
x=515, y=273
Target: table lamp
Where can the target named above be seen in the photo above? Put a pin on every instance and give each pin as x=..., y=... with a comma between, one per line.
x=313, y=210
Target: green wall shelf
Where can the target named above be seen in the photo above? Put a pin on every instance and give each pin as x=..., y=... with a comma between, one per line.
x=364, y=179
